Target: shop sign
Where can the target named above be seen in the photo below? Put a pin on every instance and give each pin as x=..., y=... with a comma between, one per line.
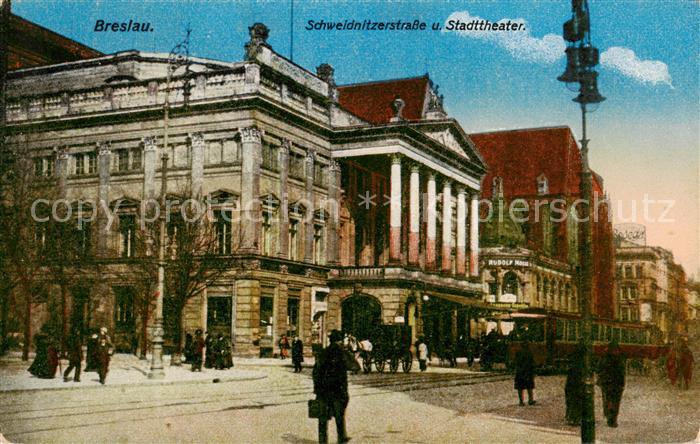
x=507, y=263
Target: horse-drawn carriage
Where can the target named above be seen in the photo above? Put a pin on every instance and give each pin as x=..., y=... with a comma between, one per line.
x=389, y=345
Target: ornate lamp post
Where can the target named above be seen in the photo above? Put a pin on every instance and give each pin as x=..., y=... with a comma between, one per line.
x=581, y=58
x=178, y=57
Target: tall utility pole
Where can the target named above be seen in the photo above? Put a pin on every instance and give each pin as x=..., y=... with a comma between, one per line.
x=581, y=58
x=179, y=56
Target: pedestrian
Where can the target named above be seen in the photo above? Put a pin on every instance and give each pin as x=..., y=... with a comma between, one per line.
x=104, y=354
x=297, y=354
x=75, y=357
x=209, y=354
x=331, y=387
x=573, y=389
x=525, y=373
x=611, y=379
x=422, y=354
x=283, y=344
x=672, y=365
x=226, y=352
x=46, y=359
x=91, y=363
x=685, y=365
x=197, y=348
x=189, y=347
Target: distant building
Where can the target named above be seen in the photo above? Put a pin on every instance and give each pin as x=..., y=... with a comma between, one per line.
x=651, y=288
x=530, y=243
x=32, y=45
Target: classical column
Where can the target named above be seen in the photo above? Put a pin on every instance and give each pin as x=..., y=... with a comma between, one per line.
x=104, y=162
x=460, y=266
x=447, y=227
x=62, y=169
x=414, y=214
x=474, y=236
x=251, y=157
x=149, y=168
x=431, y=224
x=284, y=199
x=197, y=145
x=309, y=220
x=395, y=211
x=332, y=244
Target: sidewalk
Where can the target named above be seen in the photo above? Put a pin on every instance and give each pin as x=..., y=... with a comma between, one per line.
x=124, y=369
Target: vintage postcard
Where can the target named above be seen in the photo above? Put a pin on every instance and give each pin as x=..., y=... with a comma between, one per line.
x=294, y=221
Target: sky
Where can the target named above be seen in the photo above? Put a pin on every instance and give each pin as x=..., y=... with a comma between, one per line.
x=644, y=139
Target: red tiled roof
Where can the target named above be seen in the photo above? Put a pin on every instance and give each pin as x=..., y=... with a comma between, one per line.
x=372, y=101
x=519, y=157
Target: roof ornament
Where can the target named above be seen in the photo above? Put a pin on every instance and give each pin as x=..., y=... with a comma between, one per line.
x=398, y=105
x=435, y=102
x=258, y=38
x=326, y=72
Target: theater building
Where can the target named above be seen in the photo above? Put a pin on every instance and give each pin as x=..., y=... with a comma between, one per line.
x=352, y=205
x=530, y=241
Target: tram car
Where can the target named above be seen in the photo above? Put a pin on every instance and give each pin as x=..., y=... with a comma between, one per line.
x=554, y=338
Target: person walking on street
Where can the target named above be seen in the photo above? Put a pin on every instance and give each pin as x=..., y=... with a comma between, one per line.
x=611, y=379
x=685, y=365
x=284, y=347
x=75, y=357
x=297, y=354
x=672, y=365
x=422, y=354
x=331, y=387
x=104, y=354
x=573, y=390
x=525, y=373
x=197, y=350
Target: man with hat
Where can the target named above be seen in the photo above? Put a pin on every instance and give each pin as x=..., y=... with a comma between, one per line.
x=611, y=379
x=330, y=376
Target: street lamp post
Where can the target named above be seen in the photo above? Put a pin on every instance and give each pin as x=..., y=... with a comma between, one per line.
x=582, y=57
x=179, y=56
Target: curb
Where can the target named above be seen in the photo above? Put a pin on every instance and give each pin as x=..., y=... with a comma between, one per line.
x=141, y=383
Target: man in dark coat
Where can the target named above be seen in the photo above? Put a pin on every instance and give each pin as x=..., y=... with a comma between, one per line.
x=331, y=387
x=525, y=373
x=46, y=358
x=611, y=379
x=75, y=357
x=91, y=363
x=573, y=390
x=685, y=365
x=104, y=354
x=197, y=350
x=209, y=354
x=297, y=354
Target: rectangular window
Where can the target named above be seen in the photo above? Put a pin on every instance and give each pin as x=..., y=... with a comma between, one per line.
x=127, y=235
x=296, y=166
x=38, y=166
x=124, y=309
x=136, y=159
x=293, y=240
x=319, y=250
x=267, y=233
x=79, y=164
x=320, y=175
x=91, y=163
x=628, y=271
x=219, y=311
x=223, y=231
x=122, y=160
x=266, y=308
x=293, y=315
x=269, y=157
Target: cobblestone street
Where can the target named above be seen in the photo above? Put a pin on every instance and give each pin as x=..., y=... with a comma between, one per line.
x=441, y=405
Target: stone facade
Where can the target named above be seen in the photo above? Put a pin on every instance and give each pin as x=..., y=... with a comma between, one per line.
x=272, y=144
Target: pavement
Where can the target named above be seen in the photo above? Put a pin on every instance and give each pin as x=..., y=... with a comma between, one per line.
x=127, y=369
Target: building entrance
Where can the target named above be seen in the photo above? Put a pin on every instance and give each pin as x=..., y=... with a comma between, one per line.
x=361, y=315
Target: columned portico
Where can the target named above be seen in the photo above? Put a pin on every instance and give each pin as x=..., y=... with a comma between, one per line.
x=447, y=227
x=395, y=211
x=414, y=216
x=474, y=236
x=460, y=256
x=431, y=223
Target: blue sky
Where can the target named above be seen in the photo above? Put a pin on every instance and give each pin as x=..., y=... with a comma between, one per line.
x=645, y=139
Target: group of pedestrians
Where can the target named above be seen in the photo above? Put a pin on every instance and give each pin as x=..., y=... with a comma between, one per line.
x=679, y=365
x=47, y=359
x=213, y=352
